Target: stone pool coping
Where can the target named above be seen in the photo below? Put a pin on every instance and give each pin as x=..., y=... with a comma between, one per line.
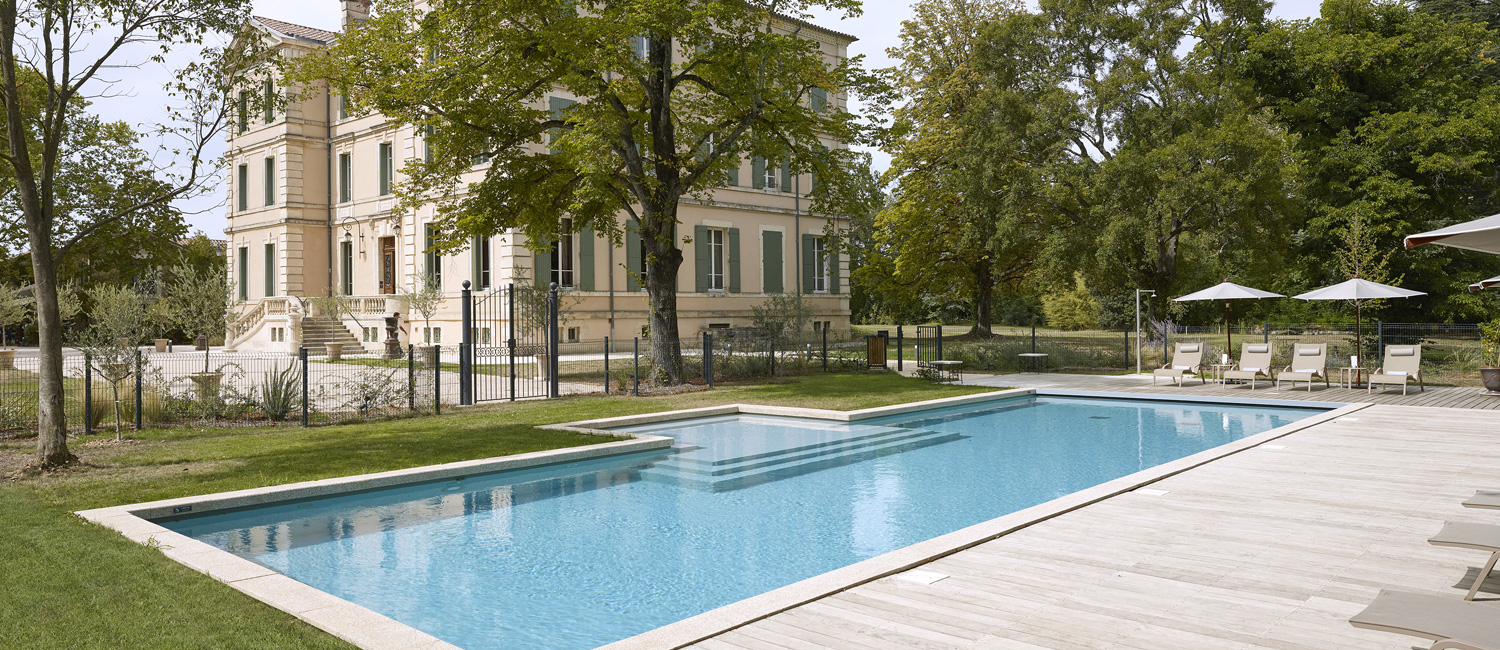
x=373, y=631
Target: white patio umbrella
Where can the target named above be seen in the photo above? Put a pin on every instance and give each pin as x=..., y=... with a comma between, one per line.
x=1227, y=291
x=1357, y=290
x=1481, y=235
x=1485, y=284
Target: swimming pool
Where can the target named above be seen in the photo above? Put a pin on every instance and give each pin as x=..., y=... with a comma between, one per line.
x=583, y=554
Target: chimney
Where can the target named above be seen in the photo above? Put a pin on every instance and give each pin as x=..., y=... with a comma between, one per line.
x=355, y=11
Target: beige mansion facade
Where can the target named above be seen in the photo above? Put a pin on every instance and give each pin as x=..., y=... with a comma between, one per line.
x=311, y=212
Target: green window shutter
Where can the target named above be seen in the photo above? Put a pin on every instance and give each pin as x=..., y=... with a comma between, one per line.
x=809, y=264
x=270, y=181
x=586, y=259
x=758, y=172
x=474, y=262
x=812, y=181
x=556, y=105
x=270, y=270
x=734, y=260
x=818, y=98
x=346, y=267
x=786, y=176
x=542, y=267
x=633, y=269
x=385, y=169
x=733, y=176
x=244, y=264
x=269, y=91
x=772, y=267
x=243, y=189
x=345, y=182
x=833, y=272
x=700, y=259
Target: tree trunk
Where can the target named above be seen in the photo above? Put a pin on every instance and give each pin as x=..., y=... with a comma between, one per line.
x=52, y=424
x=984, y=289
x=661, y=261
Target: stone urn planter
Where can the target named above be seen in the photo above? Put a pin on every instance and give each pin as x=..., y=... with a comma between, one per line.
x=161, y=344
x=428, y=355
x=7, y=359
x=335, y=351
x=206, y=384
x=543, y=366
x=1491, y=379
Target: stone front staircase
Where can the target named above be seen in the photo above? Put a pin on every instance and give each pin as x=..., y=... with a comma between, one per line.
x=318, y=331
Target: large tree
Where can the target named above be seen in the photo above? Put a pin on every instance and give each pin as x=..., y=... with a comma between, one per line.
x=1396, y=115
x=670, y=97
x=51, y=57
x=948, y=229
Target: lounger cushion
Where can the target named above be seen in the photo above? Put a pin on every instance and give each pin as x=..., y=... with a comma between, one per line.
x=1252, y=369
x=1401, y=352
x=1182, y=367
x=1396, y=373
x=1308, y=352
x=1462, y=534
x=1431, y=617
x=1257, y=349
x=1187, y=348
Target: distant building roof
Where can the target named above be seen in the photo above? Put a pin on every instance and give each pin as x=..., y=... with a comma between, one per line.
x=302, y=32
x=804, y=23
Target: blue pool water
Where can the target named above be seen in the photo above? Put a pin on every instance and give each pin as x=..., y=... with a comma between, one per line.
x=579, y=555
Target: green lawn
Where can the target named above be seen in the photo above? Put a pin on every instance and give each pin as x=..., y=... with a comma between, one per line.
x=68, y=584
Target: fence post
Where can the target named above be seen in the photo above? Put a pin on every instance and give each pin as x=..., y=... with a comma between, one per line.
x=708, y=359
x=940, y=342
x=138, y=397
x=825, y=349
x=771, y=345
x=466, y=348
x=88, y=393
x=606, y=365
x=1033, y=342
x=1265, y=330
x=411, y=377
x=900, y=350
x=302, y=356
x=636, y=375
x=1379, y=339
x=552, y=345
x=1127, y=347
x=437, y=379
x=510, y=341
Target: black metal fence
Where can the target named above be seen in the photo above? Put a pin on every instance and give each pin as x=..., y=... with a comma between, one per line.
x=141, y=389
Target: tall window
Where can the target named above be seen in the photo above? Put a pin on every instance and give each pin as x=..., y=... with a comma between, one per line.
x=715, y=259
x=562, y=256
x=270, y=181
x=269, y=94
x=243, y=272
x=346, y=266
x=242, y=112
x=387, y=169
x=820, y=264
x=270, y=270
x=481, y=262
x=242, y=189
x=768, y=179
x=434, y=262
x=346, y=180
x=343, y=107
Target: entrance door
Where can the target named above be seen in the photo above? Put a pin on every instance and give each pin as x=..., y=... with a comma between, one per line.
x=388, y=265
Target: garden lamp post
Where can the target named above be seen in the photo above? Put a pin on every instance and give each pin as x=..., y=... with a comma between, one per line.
x=1138, y=293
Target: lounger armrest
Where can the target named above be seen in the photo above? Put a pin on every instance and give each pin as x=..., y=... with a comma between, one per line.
x=1458, y=644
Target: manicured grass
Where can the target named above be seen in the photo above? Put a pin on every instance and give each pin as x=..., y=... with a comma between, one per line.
x=69, y=584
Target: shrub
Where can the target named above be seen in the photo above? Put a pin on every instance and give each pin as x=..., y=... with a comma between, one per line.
x=1072, y=310
x=280, y=392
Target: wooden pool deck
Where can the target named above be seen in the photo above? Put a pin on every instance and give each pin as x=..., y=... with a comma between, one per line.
x=1466, y=397
x=1271, y=548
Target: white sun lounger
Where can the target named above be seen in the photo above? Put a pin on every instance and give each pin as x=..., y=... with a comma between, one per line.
x=1489, y=499
x=1402, y=365
x=1309, y=362
x=1255, y=363
x=1186, y=358
x=1453, y=624
x=1480, y=537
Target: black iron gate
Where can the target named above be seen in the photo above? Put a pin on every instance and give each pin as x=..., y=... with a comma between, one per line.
x=510, y=344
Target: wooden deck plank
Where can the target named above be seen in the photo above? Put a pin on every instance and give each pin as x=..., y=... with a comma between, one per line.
x=1262, y=550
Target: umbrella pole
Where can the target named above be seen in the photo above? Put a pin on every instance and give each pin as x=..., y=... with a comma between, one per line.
x=1358, y=353
x=1228, y=333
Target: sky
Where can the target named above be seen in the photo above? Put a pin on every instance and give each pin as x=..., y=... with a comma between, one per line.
x=878, y=28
